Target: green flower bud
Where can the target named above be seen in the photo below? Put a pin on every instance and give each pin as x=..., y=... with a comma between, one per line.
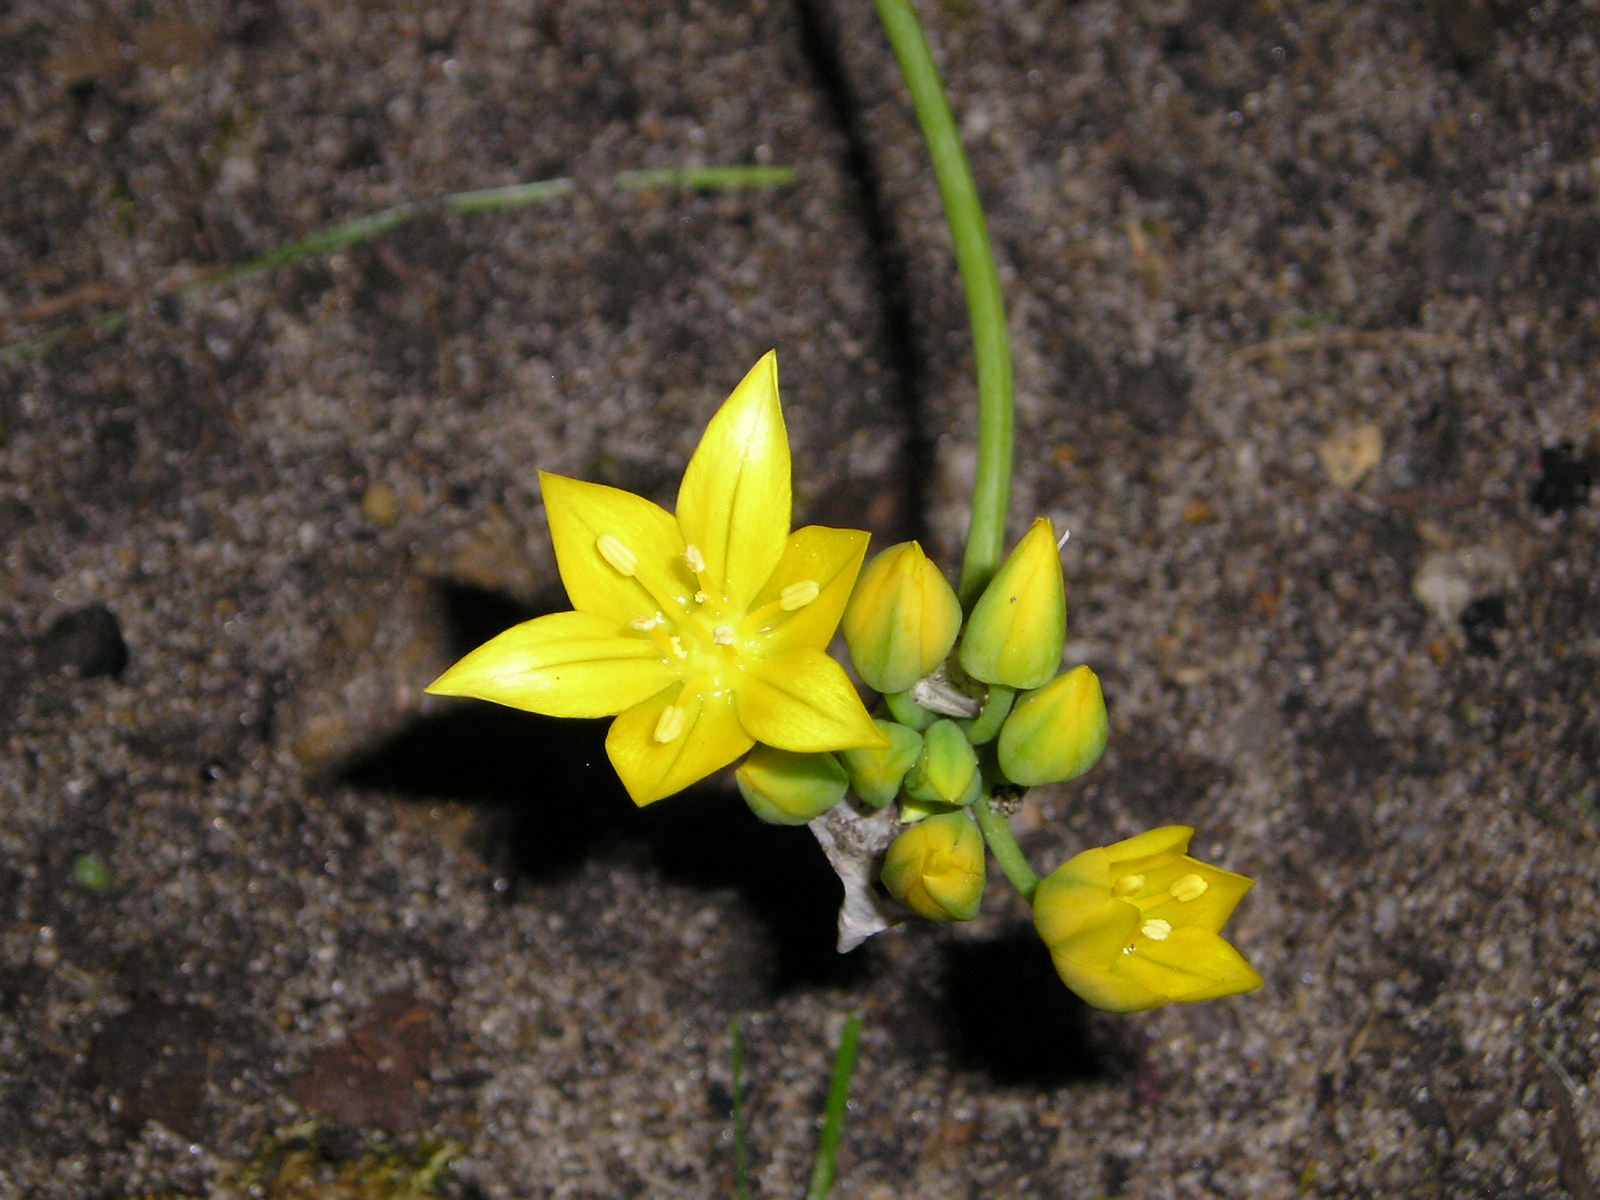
x=907, y=711
x=935, y=868
x=876, y=775
x=947, y=769
x=785, y=788
x=902, y=619
x=1056, y=733
x=1019, y=624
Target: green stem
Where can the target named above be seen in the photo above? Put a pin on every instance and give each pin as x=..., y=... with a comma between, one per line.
x=825, y=1167
x=991, y=492
x=1003, y=845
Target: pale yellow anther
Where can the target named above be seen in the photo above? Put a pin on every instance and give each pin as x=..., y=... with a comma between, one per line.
x=723, y=635
x=797, y=595
x=1188, y=887
x=695, y=559
x=646, y=624
x=1156, y=929
x=677, y=646
x=1127, y=886
x=673, y=718
x=700, y=597
x=617, y=554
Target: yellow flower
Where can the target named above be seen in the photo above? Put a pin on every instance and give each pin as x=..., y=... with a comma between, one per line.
x=702, y=633
x=1136, y=925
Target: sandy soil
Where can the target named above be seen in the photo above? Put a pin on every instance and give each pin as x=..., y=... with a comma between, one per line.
x=1306, y=303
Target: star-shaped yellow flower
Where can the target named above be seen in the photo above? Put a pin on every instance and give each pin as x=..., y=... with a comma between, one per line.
x=702, y=633
x=1138, y=924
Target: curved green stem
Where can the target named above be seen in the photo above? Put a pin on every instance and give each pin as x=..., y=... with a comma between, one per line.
x=991, y=492
x=1003, y=845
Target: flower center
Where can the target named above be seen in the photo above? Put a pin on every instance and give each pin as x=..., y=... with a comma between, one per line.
x=697, y=631
x=1183, y=889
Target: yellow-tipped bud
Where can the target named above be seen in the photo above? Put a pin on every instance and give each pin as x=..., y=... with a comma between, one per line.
x=935, y=868
x=876, y=775
x=947, y=769
x=785, y=788
x=1138, y=924
x=1056, y=733
x=1019, y=624
x=902, y=619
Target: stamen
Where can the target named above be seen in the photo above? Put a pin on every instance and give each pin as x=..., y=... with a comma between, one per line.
x=1188, y=887
x=1127, y=886
x=797, y=595
x=1156, y=929
x=700, y=597
x=695, y=559
x=673, y=719
x=723, y=635
x=677, y=646
x=612, y=549
x=646, y=624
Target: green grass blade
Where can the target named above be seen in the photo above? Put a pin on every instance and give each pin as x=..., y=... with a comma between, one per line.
x=825, y=1167
x=741, y=1133
x=376, y=225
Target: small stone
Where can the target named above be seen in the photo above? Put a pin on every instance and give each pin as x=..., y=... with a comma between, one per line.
x=1349, y=455
x=1443, y=589
x=380, y=506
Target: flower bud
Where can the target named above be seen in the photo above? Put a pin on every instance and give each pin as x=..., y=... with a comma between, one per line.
x=1137, y=924
x=876, y=775
x=1056, y=733
x=947, y=769
x=1019, y=624
x=902, y=619
x=785, y=788
x=935, y=868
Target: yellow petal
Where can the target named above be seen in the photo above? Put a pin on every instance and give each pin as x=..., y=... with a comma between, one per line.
x=830, y=558
x=1071, y=896
x=1101, y=988
x=709, y=739
x=734, y=503
x=567, y=664
x=1139, y=852
x=580, y=515
x=804, y=701
x=1191, y=964
x=1100, y=939
x=1211, y=908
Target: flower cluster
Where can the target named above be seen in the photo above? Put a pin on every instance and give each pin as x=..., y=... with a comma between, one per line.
x=704, y=633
